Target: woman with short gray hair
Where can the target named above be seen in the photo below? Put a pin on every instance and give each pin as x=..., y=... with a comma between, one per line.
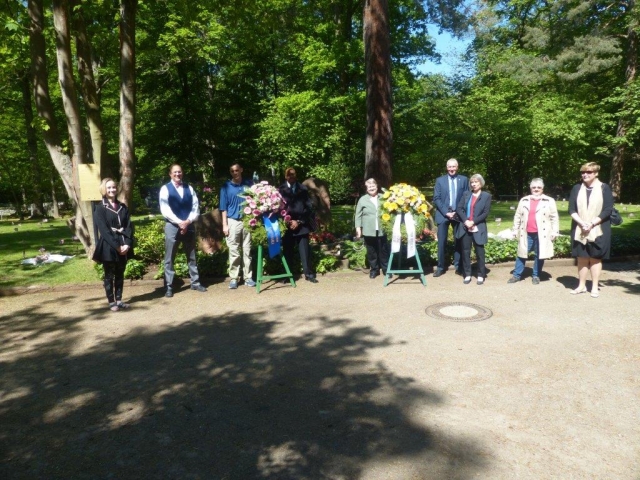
x=536, y=225
x=368, y=226
x=473, y=210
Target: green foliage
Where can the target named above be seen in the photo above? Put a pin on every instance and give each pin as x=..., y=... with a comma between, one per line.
x=355, y=252
x=337, y=175
x=149, y=242
x=324, y=262
x=497, y=251
x=213, y=265
x=135, y=269
x=259, y=233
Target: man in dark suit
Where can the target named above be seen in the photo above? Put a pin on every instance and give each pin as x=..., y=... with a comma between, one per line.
x=300, y=209
x=447, y=193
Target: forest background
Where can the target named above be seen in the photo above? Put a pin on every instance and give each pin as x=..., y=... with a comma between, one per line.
x=543, y=87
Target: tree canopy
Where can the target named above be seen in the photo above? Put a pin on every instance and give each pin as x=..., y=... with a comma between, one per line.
x=274, y=83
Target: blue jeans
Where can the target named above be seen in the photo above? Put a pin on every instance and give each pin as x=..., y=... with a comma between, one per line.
x=533, y=244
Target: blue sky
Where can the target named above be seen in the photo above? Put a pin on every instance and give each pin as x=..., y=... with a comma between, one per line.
x=449, y=48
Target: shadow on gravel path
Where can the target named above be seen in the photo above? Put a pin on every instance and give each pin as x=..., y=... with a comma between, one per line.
x=214, y=397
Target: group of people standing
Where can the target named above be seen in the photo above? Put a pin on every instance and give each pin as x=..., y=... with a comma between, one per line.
x=460, y=203
x=536, y=225
x=180, y=208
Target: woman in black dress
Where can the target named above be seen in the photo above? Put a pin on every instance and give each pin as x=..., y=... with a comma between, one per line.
x=113, y=248
x=590, y=206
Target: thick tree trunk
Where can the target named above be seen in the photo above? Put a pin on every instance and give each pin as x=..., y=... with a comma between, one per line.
x=90, y=96
x=32, y=145
x=51, y=135
x=127, y=98
x=83, y=211
x=620, y=152
x=379, y=139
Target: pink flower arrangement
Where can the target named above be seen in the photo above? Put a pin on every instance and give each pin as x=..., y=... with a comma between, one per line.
x=262, y=198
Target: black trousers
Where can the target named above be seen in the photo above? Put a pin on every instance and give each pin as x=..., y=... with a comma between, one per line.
x=466, y=242
x=289, y=241
x=443, y=230
x=114, y=280
x=377, y=252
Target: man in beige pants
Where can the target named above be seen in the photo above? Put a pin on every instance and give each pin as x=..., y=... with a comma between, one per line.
x=233, y=228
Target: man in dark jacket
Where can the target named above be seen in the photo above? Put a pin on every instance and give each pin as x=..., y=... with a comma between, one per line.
x=300, y=209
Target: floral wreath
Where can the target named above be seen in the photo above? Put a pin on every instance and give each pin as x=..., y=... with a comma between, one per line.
x=402, y=198
x=262, y=199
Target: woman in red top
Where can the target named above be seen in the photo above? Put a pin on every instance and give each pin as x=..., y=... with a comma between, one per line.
x=473, y=210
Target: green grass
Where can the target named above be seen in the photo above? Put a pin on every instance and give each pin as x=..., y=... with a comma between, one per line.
x=502, y=210
x=19, y=240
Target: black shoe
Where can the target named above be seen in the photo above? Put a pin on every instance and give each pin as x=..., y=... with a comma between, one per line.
x=458, y=272
x=438, y=272
x=310, y=278
x=198, y=288
x=169, y=293
x=373, y=273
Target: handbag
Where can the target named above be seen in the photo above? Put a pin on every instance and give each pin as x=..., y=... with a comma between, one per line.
x=615, y=218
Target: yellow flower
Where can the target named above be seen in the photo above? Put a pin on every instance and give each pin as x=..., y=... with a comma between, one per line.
x=386, y=217
x=393, y=206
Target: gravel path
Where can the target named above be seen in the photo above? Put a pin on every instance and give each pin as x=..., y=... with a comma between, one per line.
x=344, y=379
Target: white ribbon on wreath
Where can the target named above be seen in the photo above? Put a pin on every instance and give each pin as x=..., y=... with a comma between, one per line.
x=396, y=237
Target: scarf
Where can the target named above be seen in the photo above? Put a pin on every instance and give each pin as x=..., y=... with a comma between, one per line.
x=589, y=212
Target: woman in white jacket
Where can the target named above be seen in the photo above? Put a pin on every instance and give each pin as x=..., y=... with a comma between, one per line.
x=536, y=225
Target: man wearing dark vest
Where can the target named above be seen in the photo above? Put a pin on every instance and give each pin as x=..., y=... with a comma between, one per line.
x=179, y=207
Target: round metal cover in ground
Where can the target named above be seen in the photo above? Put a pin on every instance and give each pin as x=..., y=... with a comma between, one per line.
x=458, y=312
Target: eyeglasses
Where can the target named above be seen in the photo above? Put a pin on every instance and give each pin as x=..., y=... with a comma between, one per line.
x=589, y=172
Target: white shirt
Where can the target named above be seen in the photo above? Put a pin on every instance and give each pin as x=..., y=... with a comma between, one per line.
x=165, y=209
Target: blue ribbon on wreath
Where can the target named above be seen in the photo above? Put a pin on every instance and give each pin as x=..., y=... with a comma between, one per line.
x=273, y=234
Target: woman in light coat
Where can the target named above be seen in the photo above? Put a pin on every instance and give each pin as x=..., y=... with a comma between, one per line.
x=536, y=225
x=368, y=225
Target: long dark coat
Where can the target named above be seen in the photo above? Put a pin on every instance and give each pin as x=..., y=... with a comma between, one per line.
x=114, y=227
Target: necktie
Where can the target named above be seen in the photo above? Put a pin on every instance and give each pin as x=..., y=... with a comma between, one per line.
x=452, y=192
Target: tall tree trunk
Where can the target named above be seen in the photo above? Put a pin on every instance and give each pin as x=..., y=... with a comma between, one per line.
x=379, y=140
x=51, y=135
x=620, y=152
x=32, y=144
x=127, y=98
x=67, y=83
x=88, y=86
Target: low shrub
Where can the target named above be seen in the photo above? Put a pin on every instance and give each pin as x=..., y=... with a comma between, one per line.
x=135, y=269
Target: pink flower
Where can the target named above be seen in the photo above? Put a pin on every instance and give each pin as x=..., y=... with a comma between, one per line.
x=252, y=204
x=247, y=210
x=287, y=218
x=256, y=212
x=253, y=222
x=283, y=213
